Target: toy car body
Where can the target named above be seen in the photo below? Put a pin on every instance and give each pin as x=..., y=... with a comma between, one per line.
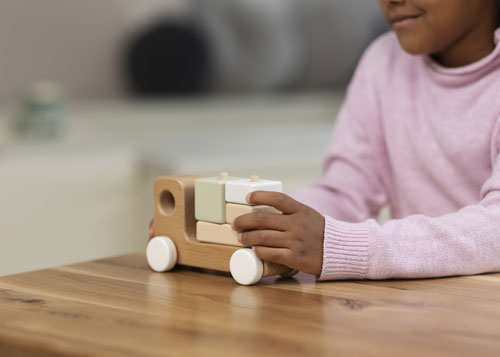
x=175, y=238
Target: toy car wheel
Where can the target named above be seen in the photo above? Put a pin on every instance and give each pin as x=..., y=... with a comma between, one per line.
x=245, y=267
x=290, y=273
x=161, y=254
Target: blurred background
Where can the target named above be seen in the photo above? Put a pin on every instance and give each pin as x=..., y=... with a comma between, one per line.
x=97, y=98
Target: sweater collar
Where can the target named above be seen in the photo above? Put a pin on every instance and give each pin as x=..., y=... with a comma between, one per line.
x=465, y=74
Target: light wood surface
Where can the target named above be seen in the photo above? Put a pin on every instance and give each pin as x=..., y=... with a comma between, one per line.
x=217, y=233
x=174, y=218
x=119, y=307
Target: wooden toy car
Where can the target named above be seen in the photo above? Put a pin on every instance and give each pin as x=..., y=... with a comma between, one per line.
x=176, y=243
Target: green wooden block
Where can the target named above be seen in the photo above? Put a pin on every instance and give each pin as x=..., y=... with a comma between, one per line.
x=210, y=200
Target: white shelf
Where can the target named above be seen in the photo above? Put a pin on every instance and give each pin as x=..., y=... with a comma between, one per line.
x=89, y=194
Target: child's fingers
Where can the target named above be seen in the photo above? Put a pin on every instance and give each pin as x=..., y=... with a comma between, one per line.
x=274, y=255
x=260, y=220
x=278, y=200
x=264, y=238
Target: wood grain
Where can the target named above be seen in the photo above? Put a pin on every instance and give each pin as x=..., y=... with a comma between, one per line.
x=119, y=307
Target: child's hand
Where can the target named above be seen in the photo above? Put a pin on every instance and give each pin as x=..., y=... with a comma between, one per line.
x=294, y=239
x=152, y=228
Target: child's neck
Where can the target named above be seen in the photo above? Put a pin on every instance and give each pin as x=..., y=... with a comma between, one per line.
x=470, y=48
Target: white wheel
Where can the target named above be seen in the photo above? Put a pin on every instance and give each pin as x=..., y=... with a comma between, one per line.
x=290, y=273
x=161, y=254
x=245, y=267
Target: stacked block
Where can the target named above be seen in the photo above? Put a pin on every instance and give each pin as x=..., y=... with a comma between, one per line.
x=216, y=233
x=219, y=200
x=235, y=210
x=209, y=198
x=237, y=191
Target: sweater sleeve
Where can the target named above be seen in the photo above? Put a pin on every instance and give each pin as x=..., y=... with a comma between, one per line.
x=465, y=242
x=351, y=188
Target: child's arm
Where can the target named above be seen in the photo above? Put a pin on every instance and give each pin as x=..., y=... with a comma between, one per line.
x=461, y=243
x=352, y=187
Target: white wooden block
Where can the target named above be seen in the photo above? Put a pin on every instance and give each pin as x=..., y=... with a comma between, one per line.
x=236, y=191
x=234, y=210
x=216, y=233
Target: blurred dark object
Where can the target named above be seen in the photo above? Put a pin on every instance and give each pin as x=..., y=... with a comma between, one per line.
x=262, y=45
x=168, y=58
x=252, y=46
x=336, y=34
x=257, y=45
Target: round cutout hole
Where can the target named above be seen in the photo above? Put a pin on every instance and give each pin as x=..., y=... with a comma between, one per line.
x=167, y=202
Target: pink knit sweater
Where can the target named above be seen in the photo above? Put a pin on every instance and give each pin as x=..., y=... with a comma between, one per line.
x=424, y=139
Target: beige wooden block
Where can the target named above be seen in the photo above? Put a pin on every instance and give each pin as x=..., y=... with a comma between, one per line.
x=234, y=210
x=216, y=233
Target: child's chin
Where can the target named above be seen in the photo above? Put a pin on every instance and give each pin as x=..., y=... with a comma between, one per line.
x=412, y=45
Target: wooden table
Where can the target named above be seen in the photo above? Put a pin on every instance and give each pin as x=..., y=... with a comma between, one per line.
x=118, y=306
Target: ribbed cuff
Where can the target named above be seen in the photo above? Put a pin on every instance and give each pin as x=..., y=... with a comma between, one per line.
x=345, y=250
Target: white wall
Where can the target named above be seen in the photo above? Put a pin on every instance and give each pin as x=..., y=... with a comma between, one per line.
x=77, y=43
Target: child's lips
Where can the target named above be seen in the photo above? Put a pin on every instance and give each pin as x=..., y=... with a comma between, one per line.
x=403, y=21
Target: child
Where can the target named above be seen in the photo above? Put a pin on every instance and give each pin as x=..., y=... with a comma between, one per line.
x=419, y=130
